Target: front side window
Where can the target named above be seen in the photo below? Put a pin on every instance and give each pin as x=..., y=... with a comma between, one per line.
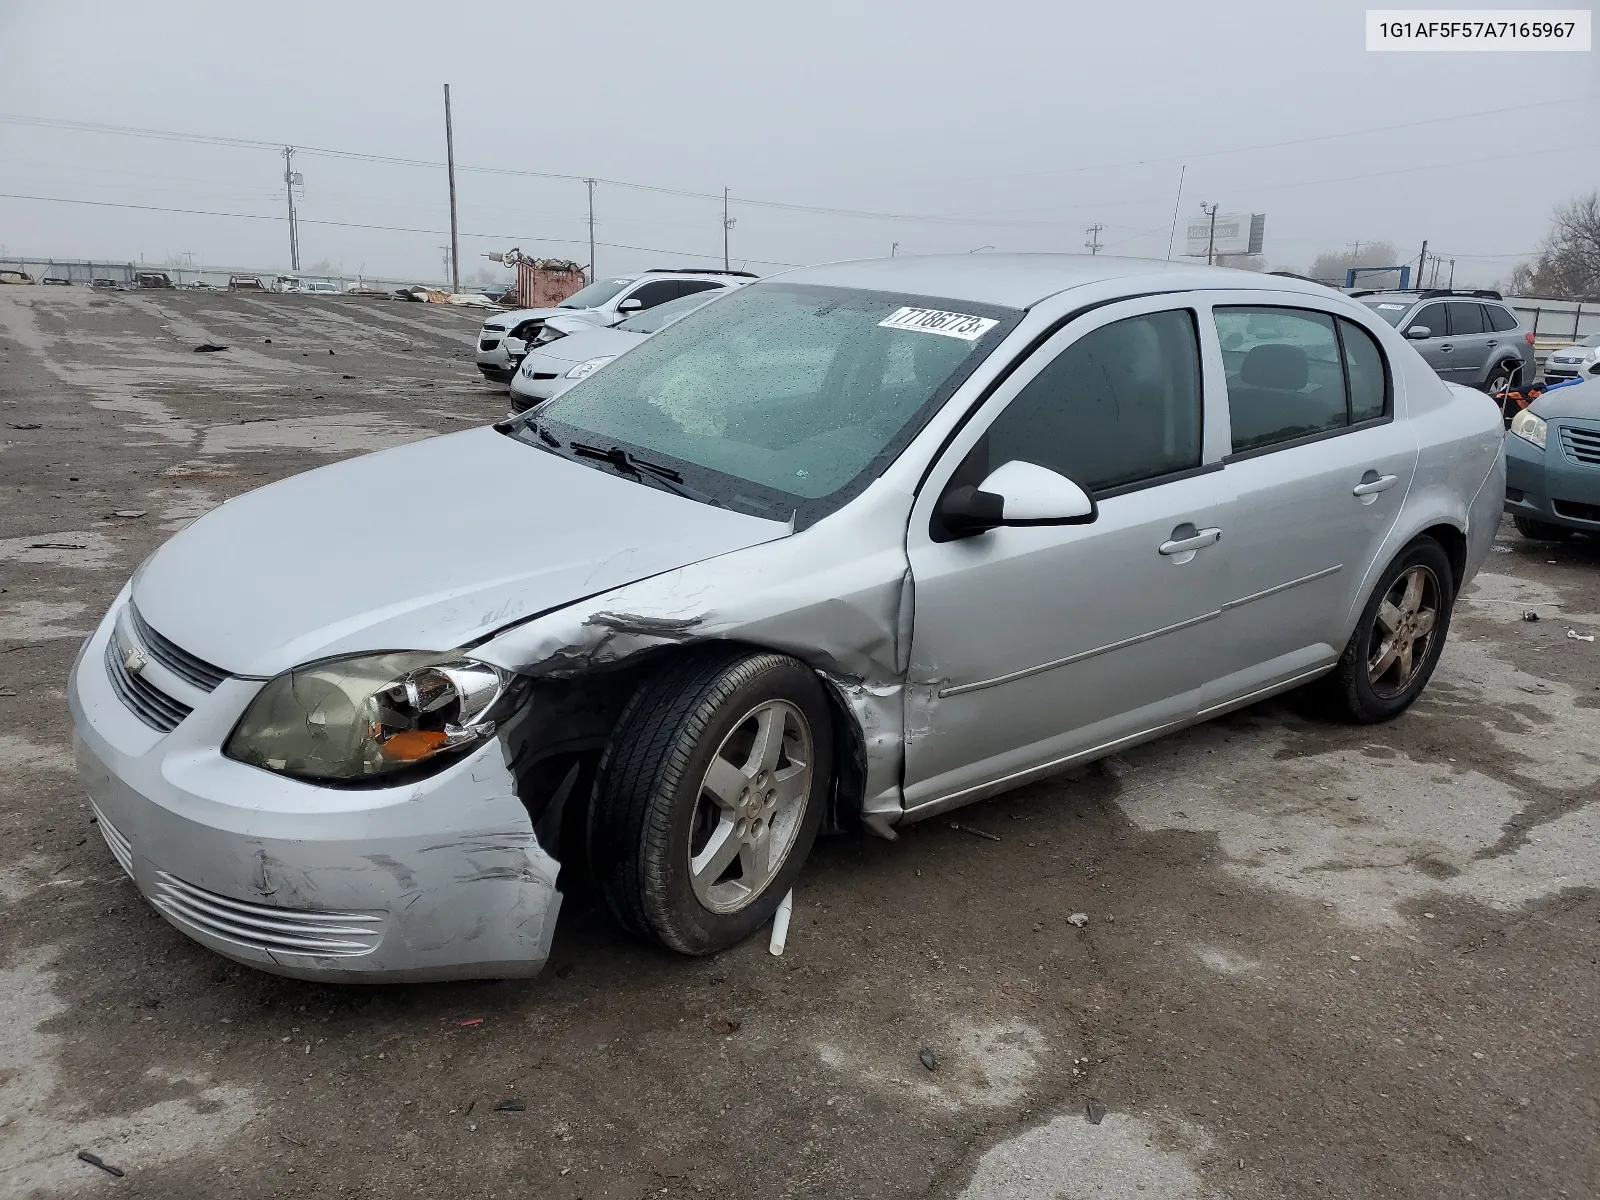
x=654, y=293
x=782, y=394
x=1293, y=373
x=1119, y=406
x=662, y=315
x=1433, y=316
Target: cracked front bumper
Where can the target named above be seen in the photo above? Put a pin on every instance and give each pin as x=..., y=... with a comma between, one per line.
x=438, y=879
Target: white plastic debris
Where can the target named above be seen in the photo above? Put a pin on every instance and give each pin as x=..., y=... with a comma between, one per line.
x=1574, y=635
x=1078, y=919
x=780, y=924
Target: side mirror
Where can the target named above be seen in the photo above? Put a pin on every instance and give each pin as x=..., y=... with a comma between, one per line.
x=1018, y=493
x=1419, y=333
x=632, y=304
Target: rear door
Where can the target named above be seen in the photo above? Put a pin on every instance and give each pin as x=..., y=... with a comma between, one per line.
x=1318, y=467
x=1470, y=334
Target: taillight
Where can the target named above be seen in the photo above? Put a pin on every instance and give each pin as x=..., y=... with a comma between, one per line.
x=1528, y=337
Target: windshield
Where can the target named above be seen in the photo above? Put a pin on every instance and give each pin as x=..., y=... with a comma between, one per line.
x=783, y=393
x=596, y=294
x=1592, y=340
x=662, y=315
x=1390, y=310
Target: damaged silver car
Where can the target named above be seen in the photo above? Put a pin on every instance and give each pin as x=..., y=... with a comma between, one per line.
x=852, y=547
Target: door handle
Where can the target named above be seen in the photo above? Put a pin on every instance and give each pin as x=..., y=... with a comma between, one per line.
x=1493, y=342
x=1199, y=541
x=1445, y=349
x=1373, y=484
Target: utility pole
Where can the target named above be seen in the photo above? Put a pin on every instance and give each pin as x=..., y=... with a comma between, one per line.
x=1211, y=238
x=1452, y=284
x=1173, y=232
x=1093, y=244
x=592, y=276
x=894, y=249
x=450, y=159
x=1422, y=262
x=289, y=180
x=727, y=224
x=1355, y=253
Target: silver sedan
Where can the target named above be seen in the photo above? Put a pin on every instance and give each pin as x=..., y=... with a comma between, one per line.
x=863, y=543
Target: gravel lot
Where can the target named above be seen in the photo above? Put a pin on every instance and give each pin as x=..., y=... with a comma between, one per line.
x=1319, y=961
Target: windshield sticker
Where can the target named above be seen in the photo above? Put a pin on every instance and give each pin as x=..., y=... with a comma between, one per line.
x=1392, y=306
x=930, y=320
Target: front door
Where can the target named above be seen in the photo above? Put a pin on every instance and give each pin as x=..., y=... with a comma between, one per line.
x=1437, y=350
x=1035, y=645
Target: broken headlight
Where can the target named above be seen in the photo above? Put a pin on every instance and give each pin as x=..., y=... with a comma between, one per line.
x=350, y=719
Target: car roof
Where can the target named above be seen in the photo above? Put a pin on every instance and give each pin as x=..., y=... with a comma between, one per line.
x=1022, y=280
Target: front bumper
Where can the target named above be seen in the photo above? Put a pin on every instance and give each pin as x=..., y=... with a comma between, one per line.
x=1555, y=372
x=438, y=879
x=1547, y=485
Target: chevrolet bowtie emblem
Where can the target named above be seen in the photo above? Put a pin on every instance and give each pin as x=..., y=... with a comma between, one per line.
x=133, y=660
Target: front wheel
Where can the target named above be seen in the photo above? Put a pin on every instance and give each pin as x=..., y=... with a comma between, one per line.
x=1502, y=378
x=1540, y=531
x=710, y=796
x=1397, y=642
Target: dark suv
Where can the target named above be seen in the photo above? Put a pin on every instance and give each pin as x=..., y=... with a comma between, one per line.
x=1468, y=337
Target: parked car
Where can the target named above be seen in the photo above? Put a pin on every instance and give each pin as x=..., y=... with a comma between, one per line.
x=114, y=284
x=1468, y=337
x=245, y=283
x=693, y=642
x=56, y=281
x=1553, y=463
x=15, y=277
x=200, y=285
x=568, y=349
x=1571, y=361
x=603, y=303
x=152, y=280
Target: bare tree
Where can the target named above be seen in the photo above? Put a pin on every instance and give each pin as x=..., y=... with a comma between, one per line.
x=1568, y=265
x=1331, y=265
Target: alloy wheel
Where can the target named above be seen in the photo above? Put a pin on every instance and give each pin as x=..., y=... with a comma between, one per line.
x=1403, y=631
x=751, y=805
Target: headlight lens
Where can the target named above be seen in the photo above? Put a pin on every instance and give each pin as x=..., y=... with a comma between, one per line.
x=589, y=367
x=1530, y=428
x=349, y=719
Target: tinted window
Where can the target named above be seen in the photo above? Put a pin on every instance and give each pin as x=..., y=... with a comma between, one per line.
x=1369, y=387
x=1465, y=319
x=688, y=287
x=1285, y=375
x=651, y=294
x=1119, y=405
x=1431, y=315
x=1500, y=318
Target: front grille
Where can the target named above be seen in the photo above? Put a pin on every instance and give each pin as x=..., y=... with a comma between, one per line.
x=174, y=658
x=149, y=703
x=263, y=928
x=541, y=374
x=1580, y=512
x=1581, y=445
x=121, y=848
x=488, y=343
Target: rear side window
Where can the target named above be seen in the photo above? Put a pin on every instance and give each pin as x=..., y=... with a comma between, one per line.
x=1434, y=318
x=1285, y=375
x=1465, y=319
x=1501, y=319
x=1363, y=364
x=1119, y=406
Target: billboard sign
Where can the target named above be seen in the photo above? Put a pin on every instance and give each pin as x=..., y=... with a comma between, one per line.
x=1236, y=233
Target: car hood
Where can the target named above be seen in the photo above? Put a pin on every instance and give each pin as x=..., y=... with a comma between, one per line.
x=1570, y=400
x=427, y=546
x=591, y=343
x=1583, y=352
x=512, y=319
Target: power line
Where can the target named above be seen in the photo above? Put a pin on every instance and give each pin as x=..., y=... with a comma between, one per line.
x=201, y=212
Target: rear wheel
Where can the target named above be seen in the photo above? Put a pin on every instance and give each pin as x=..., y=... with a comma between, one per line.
x=1392, y=653
x=1541, y=531
x=1503, y=377
x=710, y=797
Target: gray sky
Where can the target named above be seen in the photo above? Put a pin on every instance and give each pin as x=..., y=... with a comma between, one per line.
x=1018, y=122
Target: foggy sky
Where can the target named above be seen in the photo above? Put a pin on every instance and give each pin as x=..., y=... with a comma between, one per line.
x=1028, y=120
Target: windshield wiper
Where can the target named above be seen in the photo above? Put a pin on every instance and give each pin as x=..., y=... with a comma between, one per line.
x=643, y=468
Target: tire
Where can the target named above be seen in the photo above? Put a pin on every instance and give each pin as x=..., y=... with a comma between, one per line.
x=1540, y=531
x=1357, y=689
x=1502, y=377
x=655, y=815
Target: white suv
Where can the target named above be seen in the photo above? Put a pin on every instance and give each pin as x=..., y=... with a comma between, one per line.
x=504, y=338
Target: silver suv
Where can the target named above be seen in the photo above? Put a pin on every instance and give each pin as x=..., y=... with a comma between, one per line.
x=1467, y=337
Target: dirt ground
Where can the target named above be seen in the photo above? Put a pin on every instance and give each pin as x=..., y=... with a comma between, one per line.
x=1319, y=960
